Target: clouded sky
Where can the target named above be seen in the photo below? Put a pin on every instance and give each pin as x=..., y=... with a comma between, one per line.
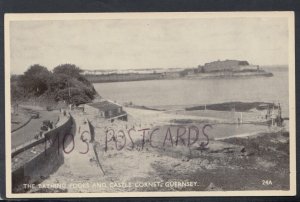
x=150, y=43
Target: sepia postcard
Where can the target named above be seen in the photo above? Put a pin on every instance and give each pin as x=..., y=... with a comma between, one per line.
x=150, y=104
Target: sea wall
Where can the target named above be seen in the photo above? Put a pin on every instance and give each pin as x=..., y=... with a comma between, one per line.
x=123, y=77
x=49, y=158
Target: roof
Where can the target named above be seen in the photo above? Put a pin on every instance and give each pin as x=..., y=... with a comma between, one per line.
x=104, y=105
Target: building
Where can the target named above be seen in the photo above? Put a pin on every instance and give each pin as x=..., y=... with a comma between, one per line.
x=227, y=65
x=106, y=109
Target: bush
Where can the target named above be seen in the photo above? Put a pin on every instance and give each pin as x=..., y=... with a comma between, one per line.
x=64, y=84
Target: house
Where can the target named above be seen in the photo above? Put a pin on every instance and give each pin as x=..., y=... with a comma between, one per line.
x=106, y=109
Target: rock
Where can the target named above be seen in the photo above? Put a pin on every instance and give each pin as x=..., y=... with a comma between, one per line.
x=212, y=187
x=228, y=151
x=201, y=146
x=185, y=159
x=197, y=161
x=210, y=166
x=246, y=154
x=216, y=161
x=204, y=163
x=176, y=164
x=243, y=150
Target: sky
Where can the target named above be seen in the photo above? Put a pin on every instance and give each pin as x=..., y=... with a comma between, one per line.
x=147, y=43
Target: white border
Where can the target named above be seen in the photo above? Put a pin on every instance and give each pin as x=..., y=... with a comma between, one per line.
x=84, y=16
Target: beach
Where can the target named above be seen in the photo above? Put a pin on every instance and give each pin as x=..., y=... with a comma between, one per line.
x=141, y=164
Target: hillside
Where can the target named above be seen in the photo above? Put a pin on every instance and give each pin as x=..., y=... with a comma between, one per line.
x=63, y=84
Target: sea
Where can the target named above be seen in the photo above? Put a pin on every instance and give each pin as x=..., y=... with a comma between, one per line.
x=184, y=92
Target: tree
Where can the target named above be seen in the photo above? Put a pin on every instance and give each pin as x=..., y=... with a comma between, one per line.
x=64, y=84
x=36, y=70
x=35, y=79
x=16, y=92
x=202, y=70
x=77, y=96
x=68, y=69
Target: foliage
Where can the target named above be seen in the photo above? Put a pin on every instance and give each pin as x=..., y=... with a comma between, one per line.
x=65, y=84
x=35, y=79
x=68, y=69
x=16, y=92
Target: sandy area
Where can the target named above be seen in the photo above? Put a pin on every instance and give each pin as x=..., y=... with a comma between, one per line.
x=230, y=164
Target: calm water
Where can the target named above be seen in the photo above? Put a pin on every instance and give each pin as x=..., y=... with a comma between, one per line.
x=217, y=130
x=193, y=92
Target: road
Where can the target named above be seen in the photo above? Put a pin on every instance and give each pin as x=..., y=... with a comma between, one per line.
x=28, y=132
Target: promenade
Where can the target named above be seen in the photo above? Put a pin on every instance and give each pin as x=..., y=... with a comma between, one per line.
x=27, y=133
